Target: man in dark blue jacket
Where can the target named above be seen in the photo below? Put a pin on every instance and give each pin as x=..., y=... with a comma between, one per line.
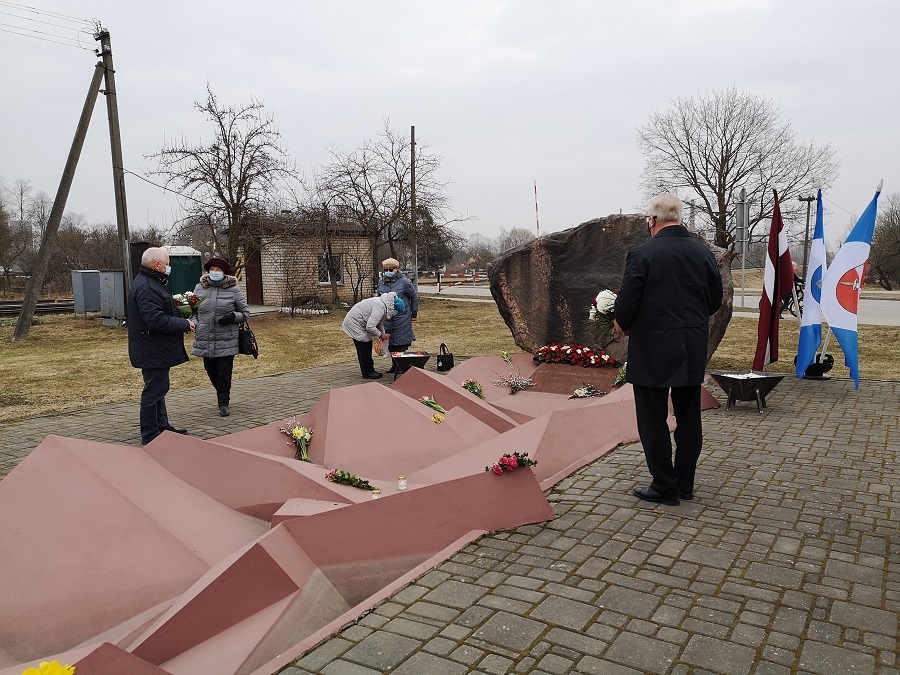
x=155, y=341
x=670, y=289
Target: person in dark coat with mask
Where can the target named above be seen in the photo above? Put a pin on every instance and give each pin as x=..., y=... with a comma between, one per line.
x=670, y=289
x=399, y=326
x=155, y=339
x=220, y=311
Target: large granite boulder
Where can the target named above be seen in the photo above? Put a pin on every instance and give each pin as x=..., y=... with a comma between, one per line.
x=544, y=288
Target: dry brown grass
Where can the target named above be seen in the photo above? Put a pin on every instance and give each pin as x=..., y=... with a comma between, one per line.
x=879, y=358
x=69, y=363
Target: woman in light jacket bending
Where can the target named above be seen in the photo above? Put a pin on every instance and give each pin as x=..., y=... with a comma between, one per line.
x=223, y=307
x=364, y=323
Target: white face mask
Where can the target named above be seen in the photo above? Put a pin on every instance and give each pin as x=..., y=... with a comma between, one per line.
x=216, y=276
x=168, y=270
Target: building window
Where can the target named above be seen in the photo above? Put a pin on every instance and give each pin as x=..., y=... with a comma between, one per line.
x=337, y=264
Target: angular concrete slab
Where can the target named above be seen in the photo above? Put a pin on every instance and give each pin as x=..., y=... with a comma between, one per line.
x=112, y=534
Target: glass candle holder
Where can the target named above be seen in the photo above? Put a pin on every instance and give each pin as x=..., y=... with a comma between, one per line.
x=401, y=483
x=376, y=493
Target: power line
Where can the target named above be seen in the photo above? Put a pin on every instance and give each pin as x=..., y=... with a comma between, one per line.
x=40, y=32
x=35, y=37
x=174, y=192
x=35, y=10
x=46, y=23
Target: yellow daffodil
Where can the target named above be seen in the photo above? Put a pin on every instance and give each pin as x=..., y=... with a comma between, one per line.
x=437, y=418
x=51, y=668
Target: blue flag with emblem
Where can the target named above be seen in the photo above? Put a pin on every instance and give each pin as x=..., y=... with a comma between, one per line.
x=811, y=319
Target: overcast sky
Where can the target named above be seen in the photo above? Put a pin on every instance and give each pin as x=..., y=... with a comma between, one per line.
x=507, y=92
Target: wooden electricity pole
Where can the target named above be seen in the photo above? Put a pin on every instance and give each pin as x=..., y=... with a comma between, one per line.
x=412, y=205
x=39, y=273
x=115, y=144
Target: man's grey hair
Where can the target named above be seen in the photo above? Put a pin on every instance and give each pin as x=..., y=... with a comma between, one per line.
x=667, y=208
x=153, y=254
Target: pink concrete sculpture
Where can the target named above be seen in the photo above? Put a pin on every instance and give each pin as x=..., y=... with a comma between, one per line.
x=229, y=556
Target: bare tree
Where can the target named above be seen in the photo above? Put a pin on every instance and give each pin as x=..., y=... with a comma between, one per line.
x=38, y=213
x=225, y=181
x=480, y=252
x=709, y=147
x=884, y=257
x=515, y=237
x=371, y=185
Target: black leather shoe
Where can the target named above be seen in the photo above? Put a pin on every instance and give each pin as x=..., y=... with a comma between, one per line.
x=649, y=494
x=177, y=431
x=373, y=376
x=224, y=411
x=686, y=496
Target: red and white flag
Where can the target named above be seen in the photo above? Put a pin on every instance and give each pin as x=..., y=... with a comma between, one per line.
x=778, y=284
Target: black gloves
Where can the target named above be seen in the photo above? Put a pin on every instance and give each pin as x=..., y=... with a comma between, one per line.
x=227, y=319
x=415, y=315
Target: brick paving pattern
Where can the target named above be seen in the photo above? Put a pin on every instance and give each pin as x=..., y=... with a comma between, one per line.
x=787, y=561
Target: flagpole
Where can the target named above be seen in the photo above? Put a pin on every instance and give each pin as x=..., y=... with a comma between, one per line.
x=827, y=338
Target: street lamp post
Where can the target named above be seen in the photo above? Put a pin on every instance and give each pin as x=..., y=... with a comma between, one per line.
x=808, y=201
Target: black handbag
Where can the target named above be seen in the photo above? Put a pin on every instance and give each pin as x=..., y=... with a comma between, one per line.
x=247, y=340
x=444, y=359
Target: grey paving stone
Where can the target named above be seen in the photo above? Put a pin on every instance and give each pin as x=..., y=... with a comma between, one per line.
x=513, y=632
x=629, y=602
x=595, y=666
x=455, y=594
x=341, y=667
x=381, y=650
x=719, y=656
x=864, y=618
x=324, y=653
x=823, y=659
x=564, y=612
x=643, y=653
x=496, y=664
x=551, y=663
x=411, y=628
x=419, y=664
x=852, y=572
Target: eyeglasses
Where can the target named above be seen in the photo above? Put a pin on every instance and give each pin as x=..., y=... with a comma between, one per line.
x=649, y=218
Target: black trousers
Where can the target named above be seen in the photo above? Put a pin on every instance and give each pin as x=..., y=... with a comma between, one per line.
x=364, y=356
x=219, y=370
x=154, y=418
x=652, y=407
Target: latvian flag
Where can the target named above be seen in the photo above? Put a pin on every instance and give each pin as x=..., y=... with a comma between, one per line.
x=778, y=284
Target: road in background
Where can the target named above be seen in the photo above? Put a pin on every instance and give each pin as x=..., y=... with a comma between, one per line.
x=876, y=308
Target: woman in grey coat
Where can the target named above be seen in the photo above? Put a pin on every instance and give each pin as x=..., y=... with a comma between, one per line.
x=364, y=323
x=400, y=325
x=218, y=316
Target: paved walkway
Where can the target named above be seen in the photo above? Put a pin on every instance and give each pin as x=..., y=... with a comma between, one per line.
x=787, y=561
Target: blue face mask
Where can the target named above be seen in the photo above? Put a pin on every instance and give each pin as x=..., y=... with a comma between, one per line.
x=389, y=274
x=168, y=270
x=216, y=276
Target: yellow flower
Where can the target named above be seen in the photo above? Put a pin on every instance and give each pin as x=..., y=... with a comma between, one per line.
x=52, y=668
x=297, y=432
x=437, y=418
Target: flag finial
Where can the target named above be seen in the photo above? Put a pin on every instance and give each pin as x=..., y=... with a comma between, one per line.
x=880, y=185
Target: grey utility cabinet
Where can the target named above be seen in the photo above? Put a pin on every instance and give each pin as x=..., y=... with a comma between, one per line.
x=86, y=290
x=112, y=297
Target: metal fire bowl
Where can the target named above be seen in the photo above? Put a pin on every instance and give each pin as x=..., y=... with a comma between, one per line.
x=740, y=387
x=407, y=360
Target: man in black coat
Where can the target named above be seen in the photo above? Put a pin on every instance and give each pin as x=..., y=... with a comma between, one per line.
x=670, y=289
x=155, y=340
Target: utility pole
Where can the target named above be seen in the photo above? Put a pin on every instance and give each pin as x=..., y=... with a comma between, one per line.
x=412, y=205
x=36, y=280
x=808, y=201
x=115, y=143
